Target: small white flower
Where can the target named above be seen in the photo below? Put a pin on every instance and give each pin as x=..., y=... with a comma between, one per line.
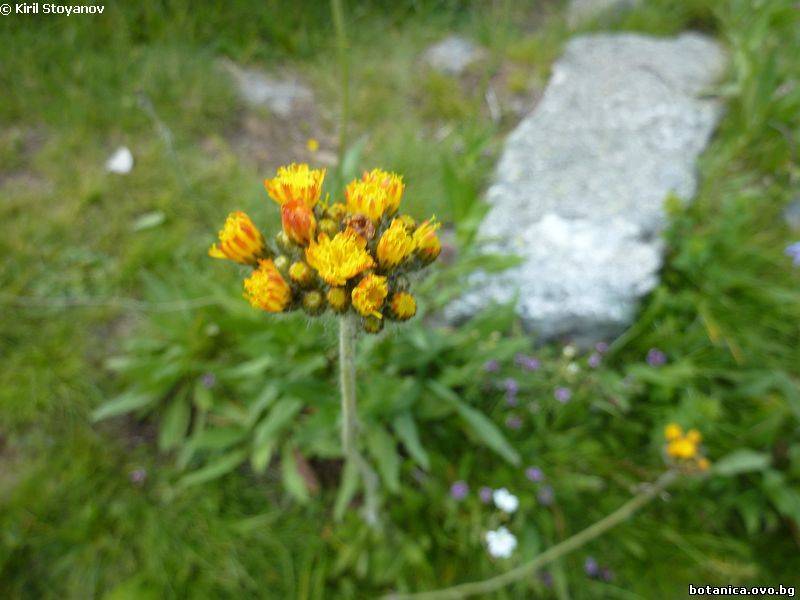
x=569, y=351
x=505, y=500
x=573, y=368
x=500, y=543
x=121, y=162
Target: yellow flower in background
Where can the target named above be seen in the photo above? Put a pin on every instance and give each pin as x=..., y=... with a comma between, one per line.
x=239, y=241
x=682, y=448
x=312, y=144
x=369, y=295
x=297, y=182
x=403, y=306
x=672, y=432
x=339, y=259
x=266, y=288
x=395, y=245
x=377, y=193
x=426, y=240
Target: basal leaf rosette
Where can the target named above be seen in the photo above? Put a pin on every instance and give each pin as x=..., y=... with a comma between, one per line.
x=359, y=255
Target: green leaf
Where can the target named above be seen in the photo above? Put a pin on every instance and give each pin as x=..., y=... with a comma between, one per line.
x=124, y=403
x=382, y=447
x=174, y=423
x=279, y=417
x=264, y=400
x=217, y=468
x=203, y=399
x=479, y=424
x=347, y=489
x=218, y=438
x=292, y=480
x=261, y=455
x=742, y=461
x=406, y=430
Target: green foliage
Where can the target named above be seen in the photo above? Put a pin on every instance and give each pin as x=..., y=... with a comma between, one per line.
x=248, y=497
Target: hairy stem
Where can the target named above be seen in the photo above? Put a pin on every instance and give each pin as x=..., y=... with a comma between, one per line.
x=528, y=569
x=347, y=370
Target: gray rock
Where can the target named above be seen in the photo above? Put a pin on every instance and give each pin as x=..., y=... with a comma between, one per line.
x=580, y=186
x=452, y=55
x=280, y=95
x=791, y=214
x=581, y=11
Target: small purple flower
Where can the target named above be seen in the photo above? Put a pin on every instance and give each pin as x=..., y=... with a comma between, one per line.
x=656, y=358
x=793, y=251
x=546, y=495
x=485, y=494
x=513, y=422
x=594, y=360
x=511, y=399
x=138, y=476
x=563, y=394
x=459, y=490
x=546, y=578
x=491, y=366
x=529, y=363
x=591, y=567
x=534, y=474
x=607, y=574
x=511, y=386
x=601, y=347
x=209, y=380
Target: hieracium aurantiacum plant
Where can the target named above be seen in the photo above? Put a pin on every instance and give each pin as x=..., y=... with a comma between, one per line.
x=354, y=258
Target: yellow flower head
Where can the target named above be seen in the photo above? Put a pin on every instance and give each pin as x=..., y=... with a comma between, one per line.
x=403, y=306
x=426, y=240
x=395, y=245
x=239, y=240
x=339, y=259
x=672, y=432
x=377, y=193
x=338, y=299
x=301, y=273
x=369, y=295
x=312, y=144
x=296, y=182
x=266, y=288
x=336, y=211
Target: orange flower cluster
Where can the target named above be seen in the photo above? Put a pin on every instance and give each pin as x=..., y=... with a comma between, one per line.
x=353, y=255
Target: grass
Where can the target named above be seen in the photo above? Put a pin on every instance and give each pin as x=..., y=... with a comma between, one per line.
x=74, y=525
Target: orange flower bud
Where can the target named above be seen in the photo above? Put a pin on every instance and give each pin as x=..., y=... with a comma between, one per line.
x=239, y=241
x=298, y=222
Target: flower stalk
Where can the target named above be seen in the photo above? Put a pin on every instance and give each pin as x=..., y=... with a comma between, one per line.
x=552, y=554
x=348, y=332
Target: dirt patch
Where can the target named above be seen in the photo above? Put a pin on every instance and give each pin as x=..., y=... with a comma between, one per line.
x=294, y=131
x=18, y=147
